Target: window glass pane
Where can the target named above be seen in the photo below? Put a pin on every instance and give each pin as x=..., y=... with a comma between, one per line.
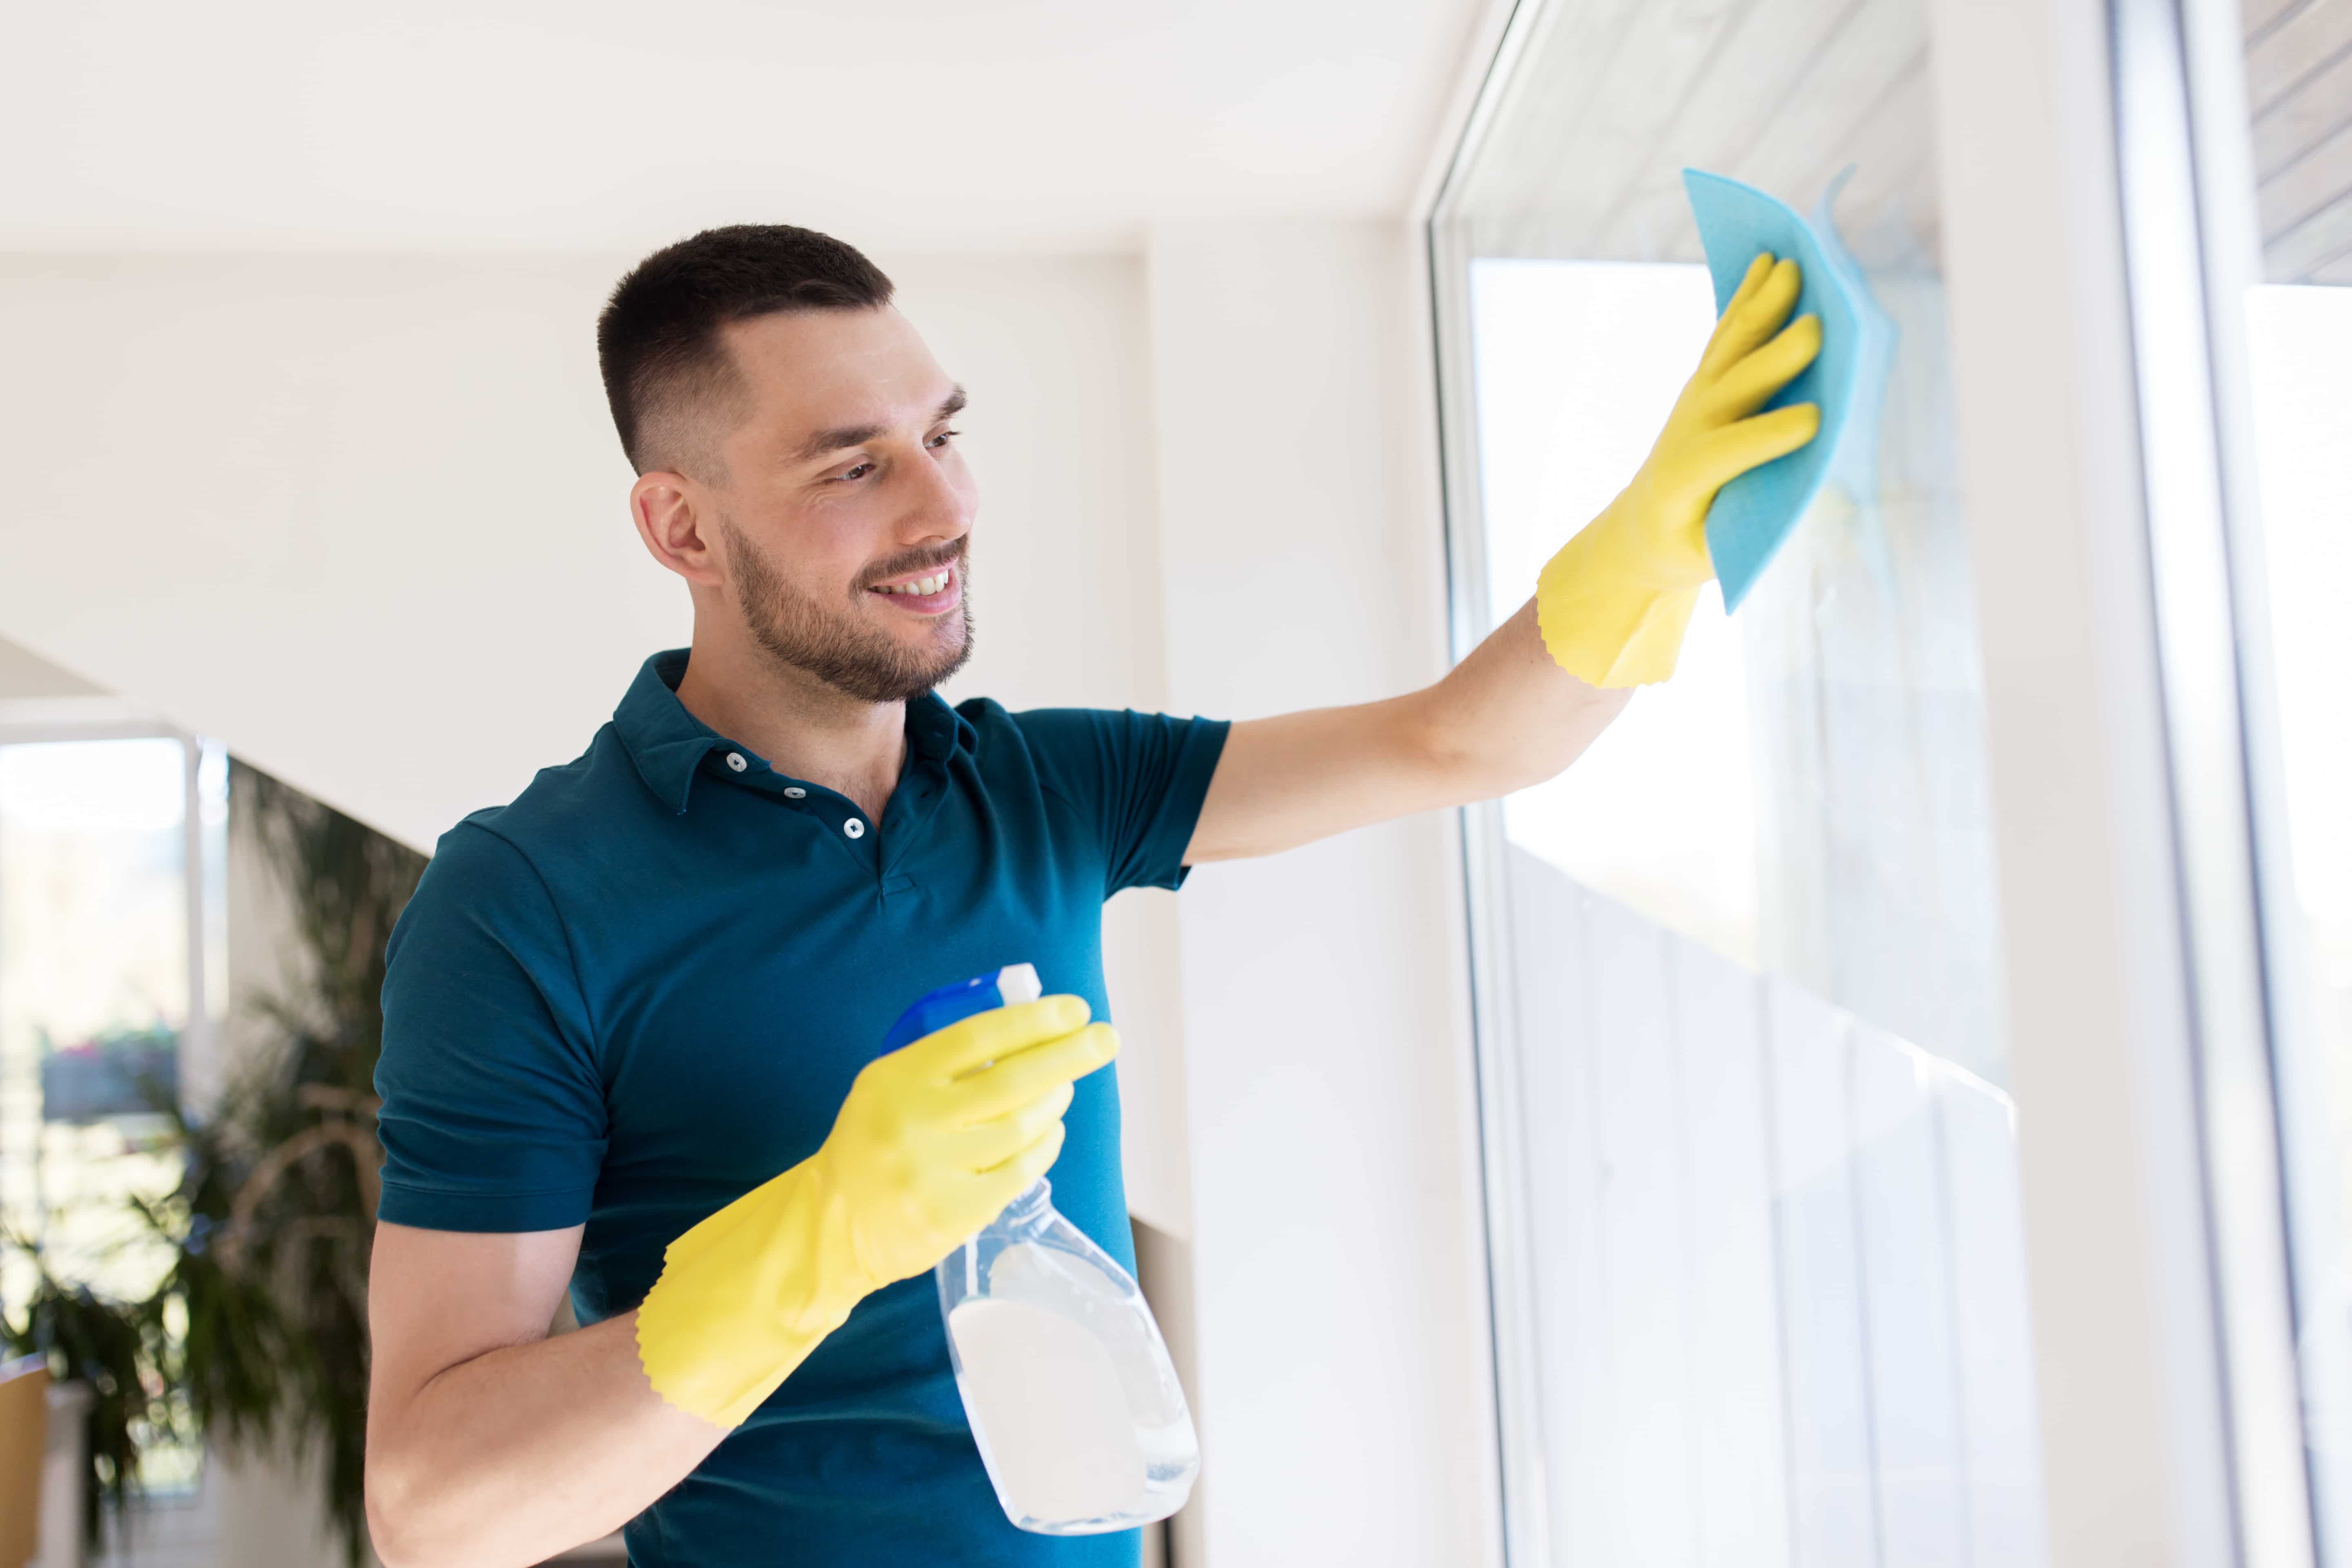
x=1760, y=1261
x=1645, y=818
x=2298, y=65
x=94, y=992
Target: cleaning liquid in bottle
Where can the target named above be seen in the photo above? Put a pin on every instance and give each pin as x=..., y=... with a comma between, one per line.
x=1066, y=1380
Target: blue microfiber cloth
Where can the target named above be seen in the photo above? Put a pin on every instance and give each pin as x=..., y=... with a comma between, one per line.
x=1853, y=466
x=1753, y=514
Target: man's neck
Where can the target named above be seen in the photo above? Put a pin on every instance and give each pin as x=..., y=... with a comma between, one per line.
x=804, y=728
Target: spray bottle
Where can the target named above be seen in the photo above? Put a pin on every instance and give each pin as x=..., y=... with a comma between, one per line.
x=1065, y=1378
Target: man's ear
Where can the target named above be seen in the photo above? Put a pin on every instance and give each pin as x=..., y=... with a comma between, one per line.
x=673, y=517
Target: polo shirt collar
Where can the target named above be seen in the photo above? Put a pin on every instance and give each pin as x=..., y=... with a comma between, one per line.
x=935, y=732
x=668, y=744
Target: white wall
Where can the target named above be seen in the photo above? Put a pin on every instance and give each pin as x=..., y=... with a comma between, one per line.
x=1336, y=1246
x=353, y=515
x=367, y=517
x=24, y=675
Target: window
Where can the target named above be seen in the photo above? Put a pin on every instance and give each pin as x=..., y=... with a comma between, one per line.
x=1752, y=1205
x=111, y=838
x=2236, y=149
x=2298, y=318
x=2300, y=341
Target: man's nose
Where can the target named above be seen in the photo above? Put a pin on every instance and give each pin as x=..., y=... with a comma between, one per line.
x=937, y=507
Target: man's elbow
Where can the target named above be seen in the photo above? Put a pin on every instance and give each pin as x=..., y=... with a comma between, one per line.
x=398, y=1503
x=1465, y=769
x=387, y=1527
x=1489, y=762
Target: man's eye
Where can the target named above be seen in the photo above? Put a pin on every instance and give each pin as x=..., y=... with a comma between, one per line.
x=943, y=437
x=859, y=472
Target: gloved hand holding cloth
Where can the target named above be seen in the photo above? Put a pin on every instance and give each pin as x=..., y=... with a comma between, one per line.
x=1613, y=603
x=932, y=1141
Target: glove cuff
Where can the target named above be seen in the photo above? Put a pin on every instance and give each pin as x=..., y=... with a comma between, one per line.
x=745, y=1296
x=1605, y=622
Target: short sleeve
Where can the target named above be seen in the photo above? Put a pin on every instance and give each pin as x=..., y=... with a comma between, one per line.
x=493, y=1115
x=1139, y=777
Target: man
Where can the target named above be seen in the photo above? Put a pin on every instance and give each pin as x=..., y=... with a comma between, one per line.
x=632, y=1020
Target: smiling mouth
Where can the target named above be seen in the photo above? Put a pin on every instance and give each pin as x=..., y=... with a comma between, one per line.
x=932, y=592
x=919, y=586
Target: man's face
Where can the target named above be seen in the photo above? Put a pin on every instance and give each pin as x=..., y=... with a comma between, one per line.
x=844, y=509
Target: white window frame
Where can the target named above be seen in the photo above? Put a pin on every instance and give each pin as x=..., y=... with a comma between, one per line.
x=2191, y=241
x=32, y=721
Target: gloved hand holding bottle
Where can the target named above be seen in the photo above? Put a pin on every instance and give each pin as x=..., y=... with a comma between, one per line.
x=931, y=1143
x=1613, y=603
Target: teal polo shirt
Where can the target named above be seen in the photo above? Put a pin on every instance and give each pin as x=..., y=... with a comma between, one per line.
x=643, y=989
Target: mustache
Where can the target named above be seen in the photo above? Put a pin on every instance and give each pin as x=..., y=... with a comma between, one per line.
x=913, y=561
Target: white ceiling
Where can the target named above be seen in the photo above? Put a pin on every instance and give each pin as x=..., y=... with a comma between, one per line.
x=599, y=124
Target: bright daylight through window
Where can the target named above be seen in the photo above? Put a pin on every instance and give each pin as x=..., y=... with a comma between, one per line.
x=103, y=954
x=2293, y=558
x=2299, y=339
x=1751, y=1159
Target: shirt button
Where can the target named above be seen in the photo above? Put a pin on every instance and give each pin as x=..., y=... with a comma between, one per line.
x=794, y=792
x=854, y=828
x=735, y=760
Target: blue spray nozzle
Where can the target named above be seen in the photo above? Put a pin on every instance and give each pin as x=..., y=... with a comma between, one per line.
x=1015, y=983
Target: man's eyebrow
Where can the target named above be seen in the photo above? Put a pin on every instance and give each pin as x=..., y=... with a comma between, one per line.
x=843, y=437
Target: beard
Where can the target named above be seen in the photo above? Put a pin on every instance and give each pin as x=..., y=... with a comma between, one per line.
x=801, y=633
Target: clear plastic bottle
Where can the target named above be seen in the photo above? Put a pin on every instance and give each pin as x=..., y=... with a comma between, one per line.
x=1066, y=1381
x=1065, y=1377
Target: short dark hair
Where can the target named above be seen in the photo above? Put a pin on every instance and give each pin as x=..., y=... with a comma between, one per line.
x=658, y=340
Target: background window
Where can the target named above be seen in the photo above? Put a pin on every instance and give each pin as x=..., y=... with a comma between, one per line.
x=110, y=913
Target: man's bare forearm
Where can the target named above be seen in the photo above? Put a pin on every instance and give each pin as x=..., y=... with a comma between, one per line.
x=520, y=1453
x=1505, y=718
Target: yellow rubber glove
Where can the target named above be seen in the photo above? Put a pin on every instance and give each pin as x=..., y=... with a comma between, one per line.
x=1613, y=603
x=933, y=1141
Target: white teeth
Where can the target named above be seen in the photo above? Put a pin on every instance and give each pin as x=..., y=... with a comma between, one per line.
x=922, y=586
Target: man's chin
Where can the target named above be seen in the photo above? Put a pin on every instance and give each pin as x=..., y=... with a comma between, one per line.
x=909, y=671
x=859, y=658
x=949, y=654
x=943, y=645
